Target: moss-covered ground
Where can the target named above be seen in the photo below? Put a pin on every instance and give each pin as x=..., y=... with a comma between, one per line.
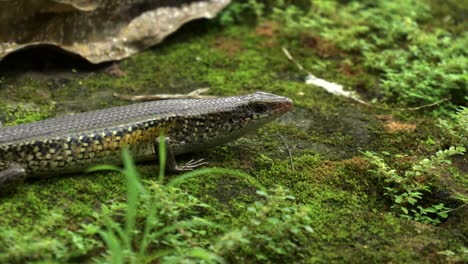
x=351, y=218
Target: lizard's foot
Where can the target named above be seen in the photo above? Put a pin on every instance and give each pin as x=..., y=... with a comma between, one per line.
x=192, y=164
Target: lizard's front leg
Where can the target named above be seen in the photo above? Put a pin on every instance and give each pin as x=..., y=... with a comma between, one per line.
x=171, y=164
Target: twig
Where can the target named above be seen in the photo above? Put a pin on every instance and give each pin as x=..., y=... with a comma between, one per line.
x=411, y=108
x=289, y=152
x=196, y=94
x=454, y=209
x=425, y=106
x=288, y=55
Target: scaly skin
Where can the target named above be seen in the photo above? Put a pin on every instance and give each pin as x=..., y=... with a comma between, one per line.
x=73, y=143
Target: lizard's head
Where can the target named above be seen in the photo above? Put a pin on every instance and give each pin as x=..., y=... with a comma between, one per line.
x=217, y=121
x=247, y=112
x=237, y=115
x=261, y=105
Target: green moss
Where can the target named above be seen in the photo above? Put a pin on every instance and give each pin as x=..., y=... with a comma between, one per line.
x=24, y=113
x=349, y=43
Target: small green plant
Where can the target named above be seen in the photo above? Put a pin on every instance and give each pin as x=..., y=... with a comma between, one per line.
x=456, y=130
x=407, y=189
x=237, y=11
x=274, y=229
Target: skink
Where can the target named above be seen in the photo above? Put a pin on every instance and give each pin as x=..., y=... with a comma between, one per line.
x=72, y=143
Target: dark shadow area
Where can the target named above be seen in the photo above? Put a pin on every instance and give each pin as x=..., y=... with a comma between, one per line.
x=49, y=59
x=45, y=59
x=188, y=31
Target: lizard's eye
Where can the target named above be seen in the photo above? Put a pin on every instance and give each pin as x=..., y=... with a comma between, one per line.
x=259, y=108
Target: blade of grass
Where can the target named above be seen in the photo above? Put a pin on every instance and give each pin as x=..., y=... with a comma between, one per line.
x=198, y=253
x=162, y=156
x=204, y=254
x=113, y=245
x=133, y=191
x=113, y=226
x=149, y=225
x=104, y=168
x=215, y=171
x=185, y=224
x=155, y=257
x=151, y=218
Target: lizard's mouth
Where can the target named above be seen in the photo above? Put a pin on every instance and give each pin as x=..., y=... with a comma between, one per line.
x=288, y=105
x=284, y=107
